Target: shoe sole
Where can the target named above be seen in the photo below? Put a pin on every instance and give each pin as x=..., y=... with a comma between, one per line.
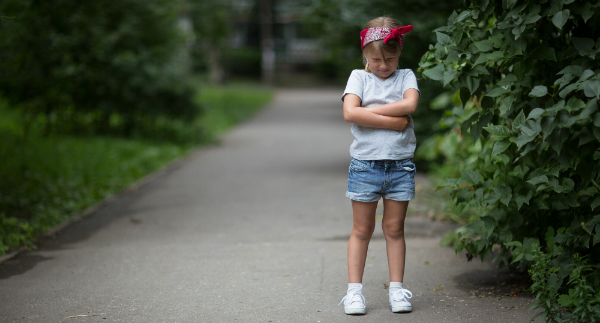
x=355, y=311
x=401, y=309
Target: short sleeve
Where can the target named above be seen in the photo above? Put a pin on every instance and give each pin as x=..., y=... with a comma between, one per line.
x=355, y=85
x=409, y=82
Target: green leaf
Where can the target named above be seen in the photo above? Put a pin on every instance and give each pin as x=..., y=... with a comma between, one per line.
x=505, y=194
x=463, y=15
x=597, y=119
x=518, y=30
x=473, y=83
x=519, y=120
x=592, y=88
x=518, y=257
x=510, y=3
x=595, y=203
x=584, y=46
x=523, y=199
x=557, y=138
x=477, y=127
x=484, y=45
x=531, y=128
x=451, y=18
x=529, y=19
x=443, y=38
x=585, y=137
x=535, y=113
x=589, y=226
x=483, y=57
x=561, y=18
x=586, y=75
x=500, y=147
x=465, y=96
x=524, y=139
x=568, y=89
x=546, y=53
x=498, y=130
x=483, y=4
x=496, y=92
x=596, y=131
x=538, y=180
x=449, y=182
x=590, y=191
x=467, y=123
x=495, y=56
x=449, y=76
x=516, y=244
x=538, y=91
x=505, y=105
x=587, y=14
x=572, y=69
x=508, y=80
x=470, y=176
x=436, y=73
x=590, y=108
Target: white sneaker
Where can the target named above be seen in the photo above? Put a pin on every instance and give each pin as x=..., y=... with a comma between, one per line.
x=399, y=300
x=354, y=302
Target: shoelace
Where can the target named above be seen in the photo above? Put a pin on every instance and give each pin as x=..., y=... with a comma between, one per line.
x=353, y=296
x=400, y=295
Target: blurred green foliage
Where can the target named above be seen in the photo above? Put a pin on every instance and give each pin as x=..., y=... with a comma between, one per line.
x=226, y=106
x=338, y=24
x=45, y=180
x=95, y=60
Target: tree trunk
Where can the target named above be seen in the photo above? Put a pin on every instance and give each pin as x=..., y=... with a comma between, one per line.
x=217, y=75
x=266, y=34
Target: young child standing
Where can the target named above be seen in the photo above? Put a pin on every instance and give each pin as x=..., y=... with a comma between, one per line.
x=378, y=101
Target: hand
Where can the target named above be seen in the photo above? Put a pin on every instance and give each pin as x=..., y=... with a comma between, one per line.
x=399, y=123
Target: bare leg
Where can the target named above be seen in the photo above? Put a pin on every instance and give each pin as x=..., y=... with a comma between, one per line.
x=362, y=230
x=394, y=214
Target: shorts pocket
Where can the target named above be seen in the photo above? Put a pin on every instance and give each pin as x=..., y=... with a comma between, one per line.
x=358, y=165
x=408, y=166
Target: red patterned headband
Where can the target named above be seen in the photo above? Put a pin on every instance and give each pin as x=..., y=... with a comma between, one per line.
x=387, y=34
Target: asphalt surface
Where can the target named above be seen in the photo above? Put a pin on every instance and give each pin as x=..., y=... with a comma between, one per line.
x=254, y=229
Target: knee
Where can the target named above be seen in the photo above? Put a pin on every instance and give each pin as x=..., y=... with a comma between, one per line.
x=393, y=230
x=363, y=232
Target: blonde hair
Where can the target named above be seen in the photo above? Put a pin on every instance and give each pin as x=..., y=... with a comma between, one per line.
x=391, y=46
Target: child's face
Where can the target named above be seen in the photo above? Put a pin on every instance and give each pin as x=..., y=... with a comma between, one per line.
x=382, y=64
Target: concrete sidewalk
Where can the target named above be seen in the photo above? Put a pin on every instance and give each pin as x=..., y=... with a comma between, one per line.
x=252, y=230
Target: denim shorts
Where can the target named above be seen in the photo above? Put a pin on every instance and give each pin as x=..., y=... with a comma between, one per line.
x=370, y=180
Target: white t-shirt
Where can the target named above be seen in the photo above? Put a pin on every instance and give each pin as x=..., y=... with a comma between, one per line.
x=374, y=143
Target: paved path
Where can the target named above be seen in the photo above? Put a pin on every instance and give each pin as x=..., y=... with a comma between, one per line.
x=252, y=230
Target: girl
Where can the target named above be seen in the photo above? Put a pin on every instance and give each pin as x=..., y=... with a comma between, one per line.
x=379, y=101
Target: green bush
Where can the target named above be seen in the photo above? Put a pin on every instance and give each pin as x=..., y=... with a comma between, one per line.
x=526, y=75
x=95, y=58
x=245, y=62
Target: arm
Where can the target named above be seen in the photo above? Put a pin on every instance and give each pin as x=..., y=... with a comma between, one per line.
x=403, y=107
x=354, y=113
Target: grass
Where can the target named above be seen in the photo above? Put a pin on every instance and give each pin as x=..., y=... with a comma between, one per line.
x=45, y=181
x=225, y=107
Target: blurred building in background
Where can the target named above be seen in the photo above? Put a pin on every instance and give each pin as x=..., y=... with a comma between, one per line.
x=279, y=37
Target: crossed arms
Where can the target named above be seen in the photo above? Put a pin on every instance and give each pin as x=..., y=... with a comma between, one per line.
x=387, y=116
